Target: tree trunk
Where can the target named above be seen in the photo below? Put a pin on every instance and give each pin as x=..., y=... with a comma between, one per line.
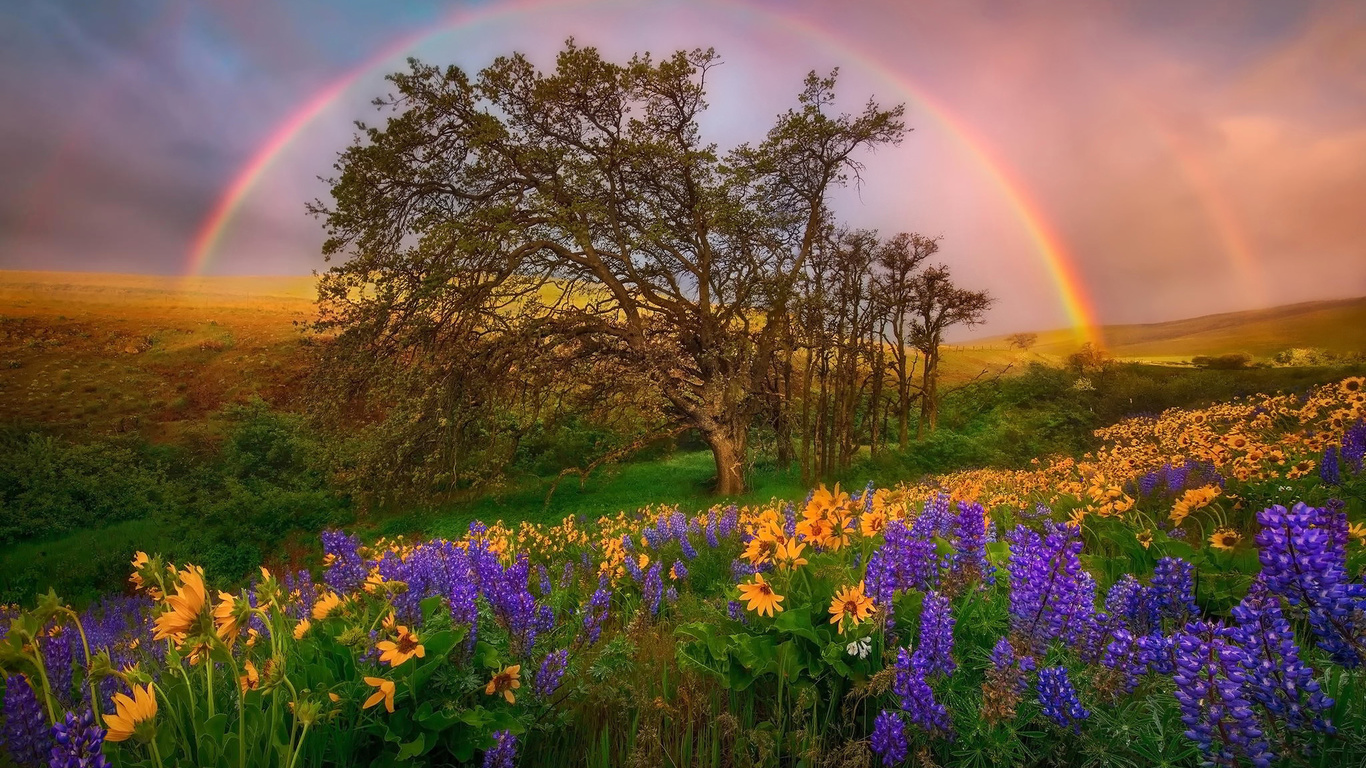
x=729, y=454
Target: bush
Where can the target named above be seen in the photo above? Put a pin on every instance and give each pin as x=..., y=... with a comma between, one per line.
x=1229, y=362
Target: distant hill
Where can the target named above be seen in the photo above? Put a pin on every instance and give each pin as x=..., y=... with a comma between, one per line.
x=1337, y=326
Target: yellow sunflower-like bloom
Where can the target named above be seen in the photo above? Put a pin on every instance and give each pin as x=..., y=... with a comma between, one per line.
x=760, y=596
x=395, y=652
x=1225, y=538
x=327, y=603
x=185, y=605
x=301, y=628
x=505, y=682
x=129, y=713
x=852, y=604
x=384, y=691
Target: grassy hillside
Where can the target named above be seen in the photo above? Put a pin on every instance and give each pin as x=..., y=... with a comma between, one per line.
x=1337, y=326
x=144, y=354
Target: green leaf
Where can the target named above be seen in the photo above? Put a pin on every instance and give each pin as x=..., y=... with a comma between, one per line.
x=797, y=622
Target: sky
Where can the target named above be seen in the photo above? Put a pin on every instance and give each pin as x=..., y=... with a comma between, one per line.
x=1120, y=161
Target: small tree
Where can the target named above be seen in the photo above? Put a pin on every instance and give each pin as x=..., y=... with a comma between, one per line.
x=939, y=305
x=1022, y=341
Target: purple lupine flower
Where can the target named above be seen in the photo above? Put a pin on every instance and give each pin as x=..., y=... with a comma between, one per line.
x=346, y=571
x=1059, y=699
x=1009, y=670
x=936, y=635
x=543, y=575
x=671, y=594
x=595, y=613
x=1302, y=551
x=712, y=540
x=970, y=529
x=915, y=696
x=57, y=658
x=633, y=568
x=77, y=742
x=1160, y=651
x=503, y=753
x=1133, y=605
x=1048, y=594
x=1354, y=445
x=25, y=734
x=301, y=593
x=736, y=611
x=1329, y=471
x=1276, y=677
x=652, y=590
x=730, y=519
x=904, y=561
x=934, y=519
x=889, y=738
x=1174, y=589
x=741, y=570
x=1127, y=655
x=627, y=544
x=567, y=575
x=552, y=671
x=1214, y=705
x=679, y=571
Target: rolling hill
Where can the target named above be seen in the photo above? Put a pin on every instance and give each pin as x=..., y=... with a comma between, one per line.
x=1337, y=326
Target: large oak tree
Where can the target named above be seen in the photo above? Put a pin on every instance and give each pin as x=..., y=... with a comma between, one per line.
x=579, y=215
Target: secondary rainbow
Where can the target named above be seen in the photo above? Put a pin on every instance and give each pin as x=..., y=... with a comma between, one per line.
x=1067, y=282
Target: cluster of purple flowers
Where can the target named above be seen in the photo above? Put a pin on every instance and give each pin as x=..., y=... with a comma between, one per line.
x=1354, y=445
x=25, y=735
x=970, y=533
x=935, y=646
x=1170, y=479
x=1276, y=677
x=503, y=753
x=595, y=613
x=1051, y=596
x=1210, y=676
x=1058, y=698
x=1303, y=556
x=906, y=560
x=551, y=673
x=914, y=695
x=77, y=742
x=889, y=738
x=346, y=568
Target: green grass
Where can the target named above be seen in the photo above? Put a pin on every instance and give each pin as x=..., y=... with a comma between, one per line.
x=683, y=478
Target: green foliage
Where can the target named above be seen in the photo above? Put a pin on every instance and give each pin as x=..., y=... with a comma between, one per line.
x=84, y=510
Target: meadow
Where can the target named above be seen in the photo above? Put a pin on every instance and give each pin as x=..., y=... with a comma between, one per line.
x=1158, y=566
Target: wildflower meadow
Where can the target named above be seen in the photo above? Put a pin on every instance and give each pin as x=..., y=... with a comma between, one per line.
x=1190, y=594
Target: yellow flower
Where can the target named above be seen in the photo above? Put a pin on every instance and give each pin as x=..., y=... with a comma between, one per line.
x=384, y=691
x=1145, y=538
x=396, y=652
x=790, y=555
x=852, y=604
x=872, y=523
x=227, y=619
x=185, y=605
x=505, y=682
x=760, y=596
x=760, y=550
x=327, y=603
x=301, y=628
x=129, y=713
x=1352, y=385
x=1225, y=538
x=251, y=679
x=1358, y=532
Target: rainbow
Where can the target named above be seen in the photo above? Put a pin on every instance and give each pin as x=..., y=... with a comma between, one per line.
x=1061, y=269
